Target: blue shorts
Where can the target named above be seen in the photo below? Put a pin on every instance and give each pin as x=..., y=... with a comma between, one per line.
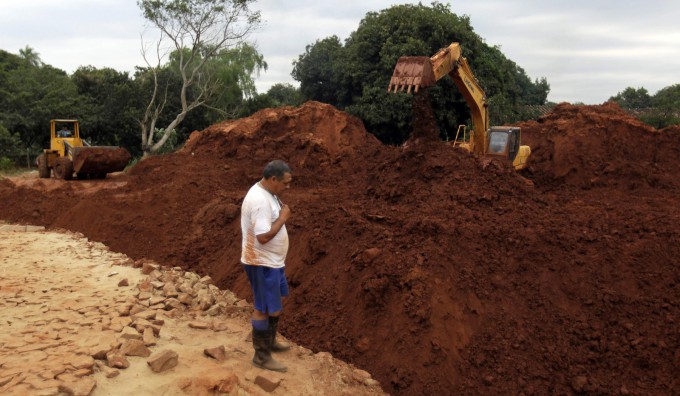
x=269, y=285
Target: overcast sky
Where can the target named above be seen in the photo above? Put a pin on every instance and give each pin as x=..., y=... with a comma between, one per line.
x=587, y=50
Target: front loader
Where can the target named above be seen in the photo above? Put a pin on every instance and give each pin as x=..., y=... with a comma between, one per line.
x=69, y=154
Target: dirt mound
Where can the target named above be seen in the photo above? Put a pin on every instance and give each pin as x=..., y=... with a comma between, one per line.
x=596, y=146
x=436, y=271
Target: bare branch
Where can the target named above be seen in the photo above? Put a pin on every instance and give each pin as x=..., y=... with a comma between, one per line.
x=198, y=30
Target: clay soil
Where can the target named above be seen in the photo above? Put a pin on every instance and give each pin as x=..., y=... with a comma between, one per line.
x=435, y=271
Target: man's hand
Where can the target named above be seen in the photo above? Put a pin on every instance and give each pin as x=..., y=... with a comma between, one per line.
x=284, y=214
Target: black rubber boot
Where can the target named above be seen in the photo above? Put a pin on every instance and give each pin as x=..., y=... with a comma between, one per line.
x=263, y=356
x=274, y=345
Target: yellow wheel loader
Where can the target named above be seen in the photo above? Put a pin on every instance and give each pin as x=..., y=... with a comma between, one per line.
x=69, y=154
x=415, y=72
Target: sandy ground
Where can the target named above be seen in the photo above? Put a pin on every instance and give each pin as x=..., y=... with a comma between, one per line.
x=63, y=305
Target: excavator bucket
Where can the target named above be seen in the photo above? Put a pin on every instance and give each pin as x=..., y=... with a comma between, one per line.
x=412, y=72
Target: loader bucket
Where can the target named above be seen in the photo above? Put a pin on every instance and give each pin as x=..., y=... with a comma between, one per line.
x=100, y=159
x=411, y=72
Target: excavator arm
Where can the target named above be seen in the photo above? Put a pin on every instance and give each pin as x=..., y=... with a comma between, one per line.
x=415, y=72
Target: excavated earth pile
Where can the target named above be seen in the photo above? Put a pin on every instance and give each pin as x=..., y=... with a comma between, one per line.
x=436, y=271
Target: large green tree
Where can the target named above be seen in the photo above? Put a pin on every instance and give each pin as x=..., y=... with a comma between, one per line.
x=659, y=110
x=111, y=105
x=278, y=95
x=197, y=31
x=355, y=76
x=632, y=98
x=32, y=94
x=667, y=103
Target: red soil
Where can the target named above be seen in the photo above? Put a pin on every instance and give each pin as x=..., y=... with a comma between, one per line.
x=436, y=271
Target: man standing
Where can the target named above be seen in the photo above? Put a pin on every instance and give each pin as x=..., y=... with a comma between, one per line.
x=263, y=255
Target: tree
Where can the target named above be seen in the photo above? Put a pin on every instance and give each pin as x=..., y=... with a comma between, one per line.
x=32, y=94
x=319, y=70
x=278, y=95
x=30, y=56
x=234, y=68
x=631, y=98
x=284, y=95
x=10, y=148
x=110, y=107
x=355, y=76
x=10, y=144
x=198, y=31
x=665, y=108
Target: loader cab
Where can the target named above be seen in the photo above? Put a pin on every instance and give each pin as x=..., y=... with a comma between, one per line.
x=64, y=134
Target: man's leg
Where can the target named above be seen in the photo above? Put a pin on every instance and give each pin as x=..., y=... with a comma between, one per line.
x=278, y=346
x=261, y=329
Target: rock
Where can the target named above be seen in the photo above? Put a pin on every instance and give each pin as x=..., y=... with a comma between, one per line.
x=163, y=361
x=217, y=353
x=215, y=309
x=206, y=280
x=135, y=348
x=123, y=282
x=117, y=359
x=169, y=290
x=82, y=362
x=107, y=371
x=129, y=333
x=185, y=298
x=81, y=387
x=156, y=300
x=211, y=382
x=148, y=337
x=267, y=382
x=82, y=372
x=198, y=325
x=148, y=315
x=578, y=383
x=148, y=268
x=360, y=375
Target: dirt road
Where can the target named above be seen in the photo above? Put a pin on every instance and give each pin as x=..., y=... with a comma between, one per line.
x=69, y=304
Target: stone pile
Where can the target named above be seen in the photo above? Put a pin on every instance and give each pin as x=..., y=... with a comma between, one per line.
x=58, y=348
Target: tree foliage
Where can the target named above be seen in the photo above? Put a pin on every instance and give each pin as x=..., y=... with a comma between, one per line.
x=197, y=32
x=110, y=107
x=659, y=110
x=32, y=94
x=355, y=76
x=632, y=98
x=277, y=96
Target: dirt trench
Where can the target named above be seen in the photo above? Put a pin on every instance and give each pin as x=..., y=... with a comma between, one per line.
x=435, y=271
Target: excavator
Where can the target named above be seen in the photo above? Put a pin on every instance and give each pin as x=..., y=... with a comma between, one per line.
x=501, y=142
x=68, y=153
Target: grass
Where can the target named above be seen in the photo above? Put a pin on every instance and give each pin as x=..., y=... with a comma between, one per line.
x=15, y=171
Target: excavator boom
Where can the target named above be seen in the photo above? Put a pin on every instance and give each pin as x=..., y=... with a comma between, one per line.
x=414, y=72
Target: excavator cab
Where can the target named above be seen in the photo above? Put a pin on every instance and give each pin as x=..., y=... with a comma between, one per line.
x=504, y=143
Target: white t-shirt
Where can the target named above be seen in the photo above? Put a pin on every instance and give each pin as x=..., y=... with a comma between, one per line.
x=259, y=210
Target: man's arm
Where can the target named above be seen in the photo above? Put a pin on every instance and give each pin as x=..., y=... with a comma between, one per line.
x=276, y=226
